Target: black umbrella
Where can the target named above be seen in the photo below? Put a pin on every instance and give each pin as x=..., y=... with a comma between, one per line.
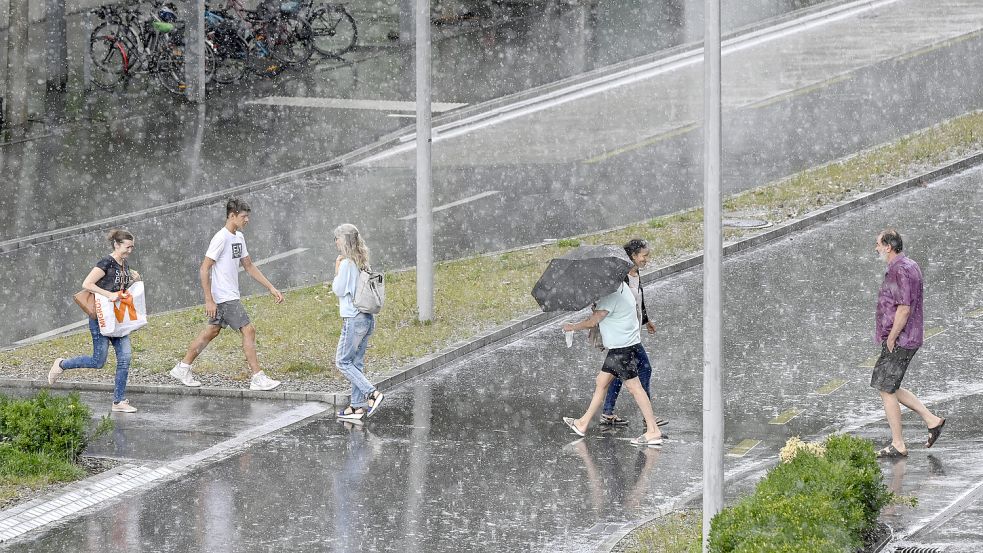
x=581, y=277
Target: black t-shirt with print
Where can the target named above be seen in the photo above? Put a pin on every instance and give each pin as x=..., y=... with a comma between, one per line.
x=116, y=278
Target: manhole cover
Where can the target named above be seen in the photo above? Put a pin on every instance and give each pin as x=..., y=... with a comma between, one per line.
x=746, y=223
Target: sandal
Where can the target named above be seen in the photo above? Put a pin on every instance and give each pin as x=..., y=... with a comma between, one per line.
x=642, y=441
x=352, y=413
x=572, y=423
x=933, y=434
x=375, y=401
x=891, y=452
x=613, y=420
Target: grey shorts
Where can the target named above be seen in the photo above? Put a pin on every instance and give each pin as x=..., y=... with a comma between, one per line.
x=230, y=314
x=890, y=368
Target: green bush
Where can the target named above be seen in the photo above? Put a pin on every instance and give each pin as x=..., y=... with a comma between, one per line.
x=812, y=503
x=55, y=426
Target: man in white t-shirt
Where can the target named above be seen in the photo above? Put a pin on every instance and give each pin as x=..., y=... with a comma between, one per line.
x=219, y=274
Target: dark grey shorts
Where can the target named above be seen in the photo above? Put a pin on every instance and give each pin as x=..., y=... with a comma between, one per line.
x=623, y=362
x=230, y=314
x=890, y=368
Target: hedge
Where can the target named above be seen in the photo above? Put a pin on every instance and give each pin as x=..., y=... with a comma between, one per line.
x=822, y=499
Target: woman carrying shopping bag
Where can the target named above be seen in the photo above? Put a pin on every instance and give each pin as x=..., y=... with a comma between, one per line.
x=356, y=326
x=110, y=278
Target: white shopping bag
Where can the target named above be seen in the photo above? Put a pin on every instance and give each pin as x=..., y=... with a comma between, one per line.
x=122, y=317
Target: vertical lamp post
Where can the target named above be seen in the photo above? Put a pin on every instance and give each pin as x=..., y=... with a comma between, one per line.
x=15, y=92
x=194, y=55
x=713, y=409
x=424, y=210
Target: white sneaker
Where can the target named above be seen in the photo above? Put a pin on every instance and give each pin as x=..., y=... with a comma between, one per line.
x=124, y=407
x=260, y=381
x=182, y=372
x=55, y=373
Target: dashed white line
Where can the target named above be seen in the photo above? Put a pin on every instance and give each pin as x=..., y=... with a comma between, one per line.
x=454, y=204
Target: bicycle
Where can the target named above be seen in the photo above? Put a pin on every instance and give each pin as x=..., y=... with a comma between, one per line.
x=334, y=30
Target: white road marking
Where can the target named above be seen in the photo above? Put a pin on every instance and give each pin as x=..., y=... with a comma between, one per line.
x=341, y=103
x=454, y=204
x=278, y=257
x=626, y=77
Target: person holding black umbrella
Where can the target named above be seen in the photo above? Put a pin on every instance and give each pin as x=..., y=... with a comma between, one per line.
x=616, y=316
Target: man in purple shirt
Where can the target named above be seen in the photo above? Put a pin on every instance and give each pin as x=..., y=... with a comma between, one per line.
x=899, y=331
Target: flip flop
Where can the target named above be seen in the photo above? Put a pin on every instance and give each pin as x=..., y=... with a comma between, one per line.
x=572, y=423
x=642, y=441
x=354, y=415
x=891, y=452
x=660, y=421
x=934, y=433
x=376, y=399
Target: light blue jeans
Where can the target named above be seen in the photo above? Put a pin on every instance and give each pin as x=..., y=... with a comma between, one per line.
x=350, y=357
x=100, y=351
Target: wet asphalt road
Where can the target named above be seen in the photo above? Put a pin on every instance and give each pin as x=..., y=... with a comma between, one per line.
x=532, y=201
x=475, y=458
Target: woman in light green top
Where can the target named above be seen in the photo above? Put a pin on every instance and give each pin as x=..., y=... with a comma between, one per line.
x=617, y=319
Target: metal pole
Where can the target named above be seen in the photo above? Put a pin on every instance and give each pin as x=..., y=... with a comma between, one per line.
x=407, y=21
x=57, y=45
x=194, y=55
x=15, y=95
x=713, y=409
x=424, y=209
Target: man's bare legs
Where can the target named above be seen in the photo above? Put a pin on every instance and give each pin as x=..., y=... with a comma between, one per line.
x=199, y=344
x=249, y=346
x=892, y=408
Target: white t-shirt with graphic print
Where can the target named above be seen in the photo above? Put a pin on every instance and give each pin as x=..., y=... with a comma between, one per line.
x=226, y=250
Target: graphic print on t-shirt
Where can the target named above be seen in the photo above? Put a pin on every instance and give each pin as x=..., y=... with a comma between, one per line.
x=236, y=251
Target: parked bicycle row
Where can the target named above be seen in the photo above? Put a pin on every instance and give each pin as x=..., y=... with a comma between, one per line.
x=129, y=41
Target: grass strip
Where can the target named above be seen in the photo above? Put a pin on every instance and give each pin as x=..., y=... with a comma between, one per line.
x=677, y=532
x=297, y=340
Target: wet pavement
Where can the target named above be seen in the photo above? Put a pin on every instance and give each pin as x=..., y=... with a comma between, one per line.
x=558, y=183
x=475, y=457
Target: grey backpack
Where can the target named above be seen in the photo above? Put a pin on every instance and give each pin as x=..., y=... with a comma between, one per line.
x=370, y=292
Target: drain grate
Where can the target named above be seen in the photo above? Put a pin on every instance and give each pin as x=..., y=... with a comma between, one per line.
x=918, y=549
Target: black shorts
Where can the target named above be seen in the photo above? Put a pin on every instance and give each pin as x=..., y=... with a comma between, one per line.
x=890, y=368
x=623, y=362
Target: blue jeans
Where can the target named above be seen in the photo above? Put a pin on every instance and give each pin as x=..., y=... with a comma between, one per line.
x=350, y=357
x=100, y=350
x=644, y=375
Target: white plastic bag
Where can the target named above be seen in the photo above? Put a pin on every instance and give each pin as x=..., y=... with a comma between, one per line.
x=122, y=317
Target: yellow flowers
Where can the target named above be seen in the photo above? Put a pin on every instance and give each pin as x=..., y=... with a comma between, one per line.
x=794, y=445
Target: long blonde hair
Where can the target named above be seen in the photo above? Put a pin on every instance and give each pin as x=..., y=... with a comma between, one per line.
x=352, y=245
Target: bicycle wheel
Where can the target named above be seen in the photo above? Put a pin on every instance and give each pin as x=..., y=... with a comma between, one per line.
x=334, y=31
x=291, y=40
x=170, y=70
x=109, y=62
x=231, y=57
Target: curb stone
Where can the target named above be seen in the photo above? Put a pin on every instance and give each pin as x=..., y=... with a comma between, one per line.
x=520, y=324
